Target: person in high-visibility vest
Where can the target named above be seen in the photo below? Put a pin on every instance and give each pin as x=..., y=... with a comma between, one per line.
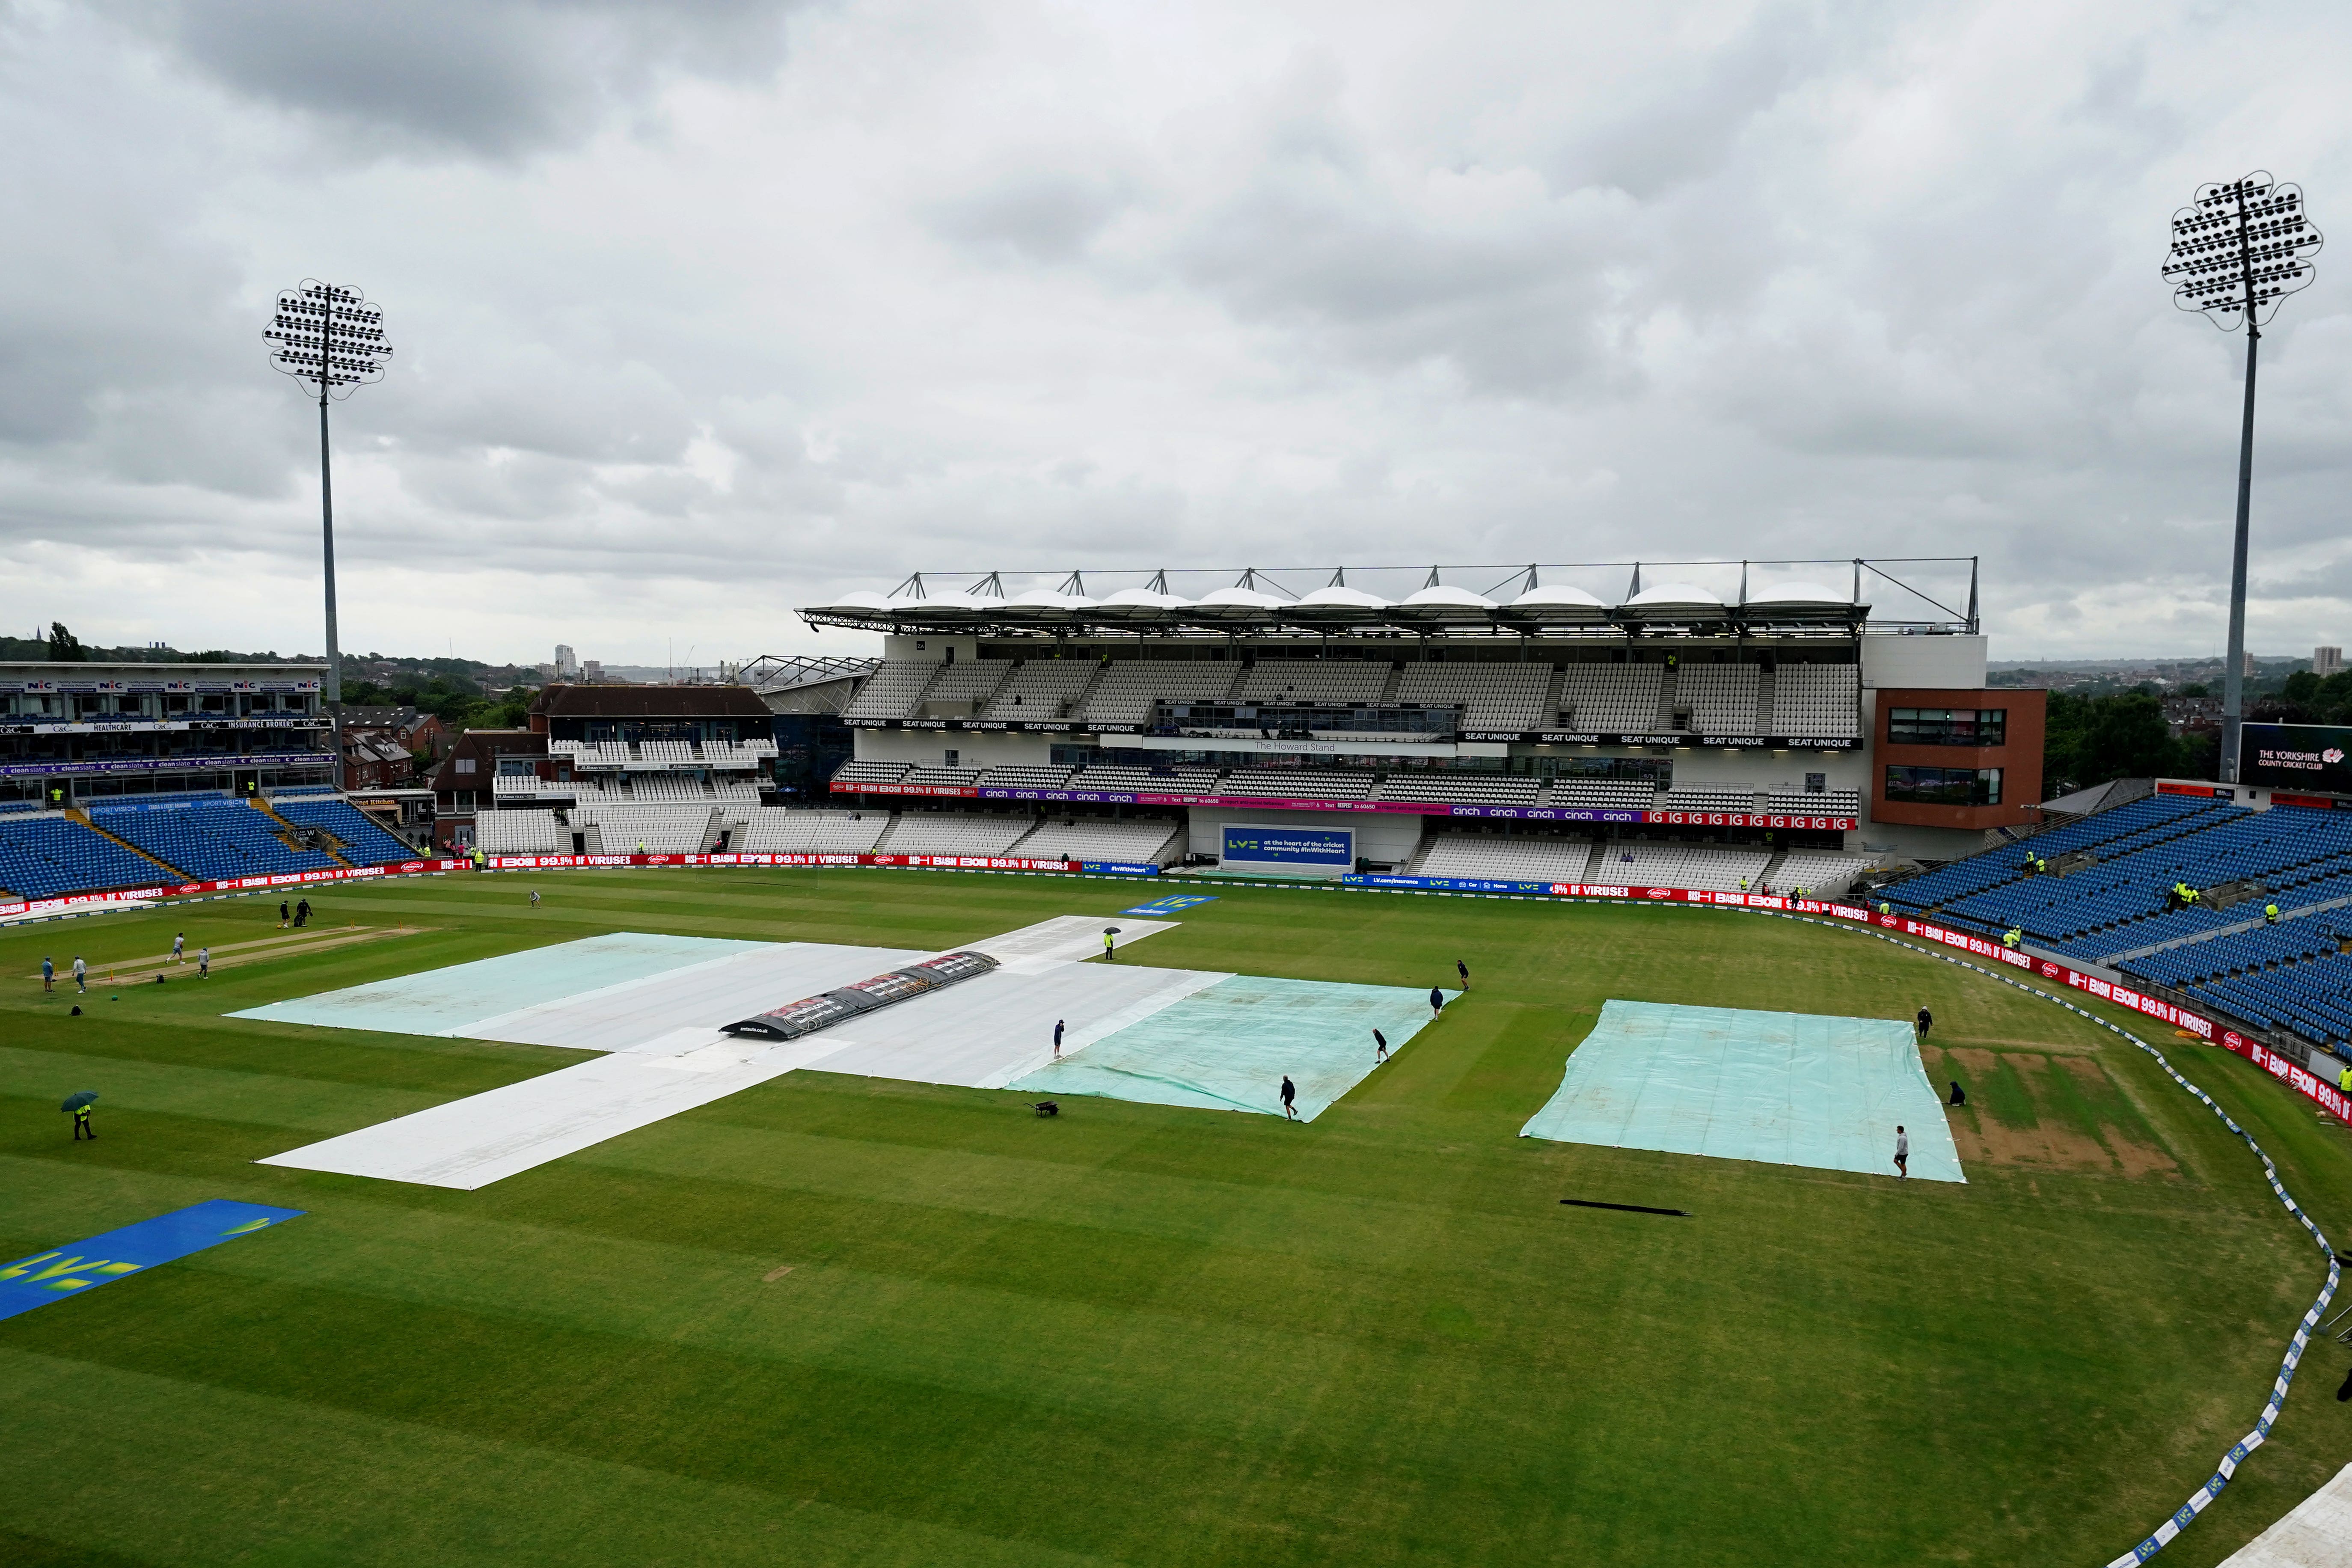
x=2013, y=937
x=2270, y=914
x=1110, y=953
x=81, y=1123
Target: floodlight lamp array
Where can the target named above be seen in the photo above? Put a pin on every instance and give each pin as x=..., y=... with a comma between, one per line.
x=2241, y=247
x=329, y=337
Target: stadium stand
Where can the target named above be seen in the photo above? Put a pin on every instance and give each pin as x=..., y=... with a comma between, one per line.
x=892, y=690
x=973, y=680
x=214, y=841
x=1298, y=783
x=870, y=773
x=661, y=830
x=1503, y=697
x=1044, y=689
x=1612, y=697
x=1502, y=858
x=659, y=789
x=2146, y=819
x=520, y=833
x=1721, y=698
x=45, y=854
x=1116, y=780
x=1128, y=690
x=1326, y=682
x=1048, y=777
x=1709, y=797
x=941, y=778
x=784, y=830
x=1716, y=866
x=952, y=833
x=1816, y=700
x=1822, y=873
x=1593, y=794
x=363, y=843
x=1467, y=788
x=1828, y=803
x=1100, y=839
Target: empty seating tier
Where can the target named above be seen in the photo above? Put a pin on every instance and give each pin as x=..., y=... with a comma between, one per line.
x=891, y=691
x=214, y=841
x=1043, y=690
x=940, y=778
x=1129, y=688
x=1721, y=698
x=871, y=772
x=1313, y=682
x=1498, y=858
x=364, y=842
x=971, y=680
x=1818, y=701
x=953, y=833
x=520, y=833
x=1505, y=696
x=1152, y=842
x=1468, y=789
x=1822, y=873
x=1719, y=868
x=1110, y=779
x=1025, y=777
x=1611, y=699
x=649, y=829
x=1828, y=803
x=1601, y=794
x=1298, y=783
x=784, y=830
x=43, y=856
x=1709, y=797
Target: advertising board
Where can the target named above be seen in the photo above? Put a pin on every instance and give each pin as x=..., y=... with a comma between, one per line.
x=1328, y=847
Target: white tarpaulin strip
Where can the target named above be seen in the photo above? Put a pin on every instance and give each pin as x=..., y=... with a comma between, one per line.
x=2317, y=1534
x=1065, y=939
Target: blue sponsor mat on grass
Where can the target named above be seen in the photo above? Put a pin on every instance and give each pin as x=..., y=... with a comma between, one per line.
x=1174, y=903
x=51, y=1276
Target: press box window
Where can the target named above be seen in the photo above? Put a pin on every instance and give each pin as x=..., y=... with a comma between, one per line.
x=1944, y=786
x=1946, y=726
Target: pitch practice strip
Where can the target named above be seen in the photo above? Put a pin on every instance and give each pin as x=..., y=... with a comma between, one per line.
x=1783, y=1088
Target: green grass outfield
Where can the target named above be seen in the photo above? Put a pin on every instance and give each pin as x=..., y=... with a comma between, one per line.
x=1139, y=1334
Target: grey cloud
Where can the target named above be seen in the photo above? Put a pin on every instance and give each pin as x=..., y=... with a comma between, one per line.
x=495, y=78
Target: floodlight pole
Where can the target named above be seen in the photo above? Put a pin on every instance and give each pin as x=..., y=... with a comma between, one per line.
x=2233, y=680
x=327, y=529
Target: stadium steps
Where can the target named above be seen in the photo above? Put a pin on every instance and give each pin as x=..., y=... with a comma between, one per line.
x=290, y=835
x=1764, y=716
x=1666, y=684
x=1769, y=875
x=1389, y=693
x=882, y=845
x=79, y=815
x=1552, y=697
x=1595, y=864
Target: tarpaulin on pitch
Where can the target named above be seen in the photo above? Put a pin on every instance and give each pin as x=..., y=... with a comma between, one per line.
x=1785, y=1089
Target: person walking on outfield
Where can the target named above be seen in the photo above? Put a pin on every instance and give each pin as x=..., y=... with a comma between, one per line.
x=203, y=963
x=1380, y=1047
x=1058, y=1040
x=1902, y=1153
x=284, y=916
x=1290, y=1096
x=82, y=1127
x=1463, y=970
x=1437, y=1003
x=534, y=898
x=179, y=947
x=48, y=975
x=303, y=913
x=81, y=974
x=1926, y=1021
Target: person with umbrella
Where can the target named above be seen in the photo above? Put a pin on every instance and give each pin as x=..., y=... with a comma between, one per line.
x=1110, y=953
x=79, y=1104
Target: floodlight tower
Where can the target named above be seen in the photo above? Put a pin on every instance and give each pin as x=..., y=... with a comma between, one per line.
x=330, y=339
x=2241, y=247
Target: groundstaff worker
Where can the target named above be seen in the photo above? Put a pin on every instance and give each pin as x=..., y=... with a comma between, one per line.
x=1290, y=1096
x=1436, y=1001
x=2270, y=914
x=1926, y=1021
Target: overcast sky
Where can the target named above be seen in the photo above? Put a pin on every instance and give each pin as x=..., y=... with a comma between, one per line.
x=713, y=309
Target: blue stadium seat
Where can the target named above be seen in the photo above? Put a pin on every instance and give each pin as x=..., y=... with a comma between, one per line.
x=213, y=841
x=365, y=844
x=45, y=856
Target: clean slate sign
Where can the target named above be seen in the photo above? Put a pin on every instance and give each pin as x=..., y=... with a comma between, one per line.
x=1329, y=847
